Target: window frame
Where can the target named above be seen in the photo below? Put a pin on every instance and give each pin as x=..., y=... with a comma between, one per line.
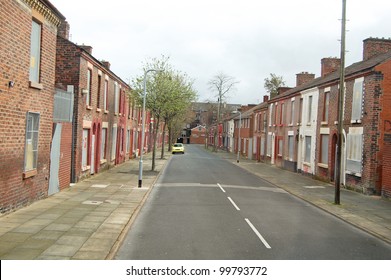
x=35, y=54
x=32, y=130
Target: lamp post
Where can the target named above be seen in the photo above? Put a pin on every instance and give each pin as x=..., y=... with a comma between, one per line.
x=140, y=173
x=240, y=125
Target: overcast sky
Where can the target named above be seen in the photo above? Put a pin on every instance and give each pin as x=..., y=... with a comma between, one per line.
x=246, y=39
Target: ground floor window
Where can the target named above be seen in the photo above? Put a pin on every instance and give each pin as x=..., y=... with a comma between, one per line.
x=354, y=144
x=31, y=144
x=291, y=147
x=85, y=148
x=103, y=144
x=114, y=142
x=324, y=149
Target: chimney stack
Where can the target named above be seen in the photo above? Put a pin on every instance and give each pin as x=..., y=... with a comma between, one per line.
x=303, y=78
x=329, y=65
x=375, y=46
x=106, y=64
x=63, y=29
x=86, y=48
x=265, y=98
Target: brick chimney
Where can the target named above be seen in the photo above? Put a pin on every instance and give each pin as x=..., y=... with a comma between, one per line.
x=63, y=29
x=303, y=78
x=375, y=46
x=106, y=64
x=329, y=65
x=86, y=48
x=265, y=98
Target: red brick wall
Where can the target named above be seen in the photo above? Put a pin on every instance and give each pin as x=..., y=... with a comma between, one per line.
x=15, y=102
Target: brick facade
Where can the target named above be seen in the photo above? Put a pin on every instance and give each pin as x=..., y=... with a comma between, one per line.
x=19, y=187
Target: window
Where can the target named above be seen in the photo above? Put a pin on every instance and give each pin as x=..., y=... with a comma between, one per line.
x=280, y=146
x=354, y=151
x=128, y=141
x=85, y=149
x=307, y=155
x=292, y=111
x=105, y=94
x=270, y=114
x=114, y=142
x=31, y=145
x=282, y=114
x=269, y=145
x=309, y=116
x=324, y=152
x=103, y=144
x=275, y=114
x=357, y=100
x=98, y=92
x=116, y=98
x=35, y=52
x=300, y=110
x=88, y=96
x=291, y=146
x=326, y=106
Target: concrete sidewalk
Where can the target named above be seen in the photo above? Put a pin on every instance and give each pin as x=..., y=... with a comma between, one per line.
x=85, y=222
x=369, y=213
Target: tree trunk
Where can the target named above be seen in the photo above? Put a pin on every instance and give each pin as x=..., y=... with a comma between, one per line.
x=163, y=137
x=155, y=130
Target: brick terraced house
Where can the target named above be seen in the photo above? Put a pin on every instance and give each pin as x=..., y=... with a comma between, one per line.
x=28, y=30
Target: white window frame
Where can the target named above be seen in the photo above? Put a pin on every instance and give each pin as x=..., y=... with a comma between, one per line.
x=354, y=150
x=31, y=142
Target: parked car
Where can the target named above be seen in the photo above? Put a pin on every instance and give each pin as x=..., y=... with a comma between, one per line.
x=178, y=148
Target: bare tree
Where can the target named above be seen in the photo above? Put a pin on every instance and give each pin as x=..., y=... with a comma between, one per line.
x=222, y=84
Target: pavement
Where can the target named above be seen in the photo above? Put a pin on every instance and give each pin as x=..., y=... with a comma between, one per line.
x=89, y=220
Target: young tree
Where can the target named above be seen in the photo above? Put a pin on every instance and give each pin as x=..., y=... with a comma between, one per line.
x=222, y=85
x=168, y=91
x=273, y=83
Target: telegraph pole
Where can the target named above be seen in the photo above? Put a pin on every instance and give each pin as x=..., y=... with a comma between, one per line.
x=341, y=98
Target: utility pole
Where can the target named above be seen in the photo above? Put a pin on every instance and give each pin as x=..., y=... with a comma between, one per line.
x=341, y=98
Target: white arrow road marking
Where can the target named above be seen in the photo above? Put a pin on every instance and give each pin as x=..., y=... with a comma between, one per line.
x=258, y=234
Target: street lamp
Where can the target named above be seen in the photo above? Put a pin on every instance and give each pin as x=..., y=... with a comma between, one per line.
x=140, y=173
x=240, y=125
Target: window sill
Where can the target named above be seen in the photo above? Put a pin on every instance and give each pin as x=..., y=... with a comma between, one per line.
x=307, y=164
x=88, y=107
x=103, y=161
x=353, y=173
x=323, y=165
x=28, y=174
x=35, y=85
x=85, y=168
x=98, y=110
x=106, y=111
x=355, y=121
x=324, y=123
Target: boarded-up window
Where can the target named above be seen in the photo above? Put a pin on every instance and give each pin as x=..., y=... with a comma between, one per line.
x=291, y=142
x=114, y=142
x=35, y=51
x=31, y=144
x=63, y=106
x=85, y=147
x=103, y=144
x=357, y=100
x=324, y=153
x=354, y=152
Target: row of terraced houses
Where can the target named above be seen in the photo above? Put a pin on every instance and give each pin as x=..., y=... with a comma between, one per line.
x=64, y=115
x=297, y=128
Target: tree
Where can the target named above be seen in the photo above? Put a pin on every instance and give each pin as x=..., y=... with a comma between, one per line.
x=273, y=83
x=168, y=93
x=222, y=84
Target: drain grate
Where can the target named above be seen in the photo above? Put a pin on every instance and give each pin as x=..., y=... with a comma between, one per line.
x=92, y=202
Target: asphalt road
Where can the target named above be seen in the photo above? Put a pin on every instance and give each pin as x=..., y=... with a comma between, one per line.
x=203, y=207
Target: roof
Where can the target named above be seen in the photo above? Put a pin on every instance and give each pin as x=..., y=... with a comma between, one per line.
x=356, y=68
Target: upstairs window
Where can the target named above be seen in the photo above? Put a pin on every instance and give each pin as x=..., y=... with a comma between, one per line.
x=292, y=111
x=88, y=96
x=35, y=52
x=98, y=92
x=357, y=100
x=105, y=95
x=326, y=106
x=309, y=116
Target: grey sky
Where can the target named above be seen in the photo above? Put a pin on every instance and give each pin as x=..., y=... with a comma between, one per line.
x=247, y=39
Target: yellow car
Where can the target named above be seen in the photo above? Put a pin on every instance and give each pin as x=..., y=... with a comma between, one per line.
x=178, y=148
